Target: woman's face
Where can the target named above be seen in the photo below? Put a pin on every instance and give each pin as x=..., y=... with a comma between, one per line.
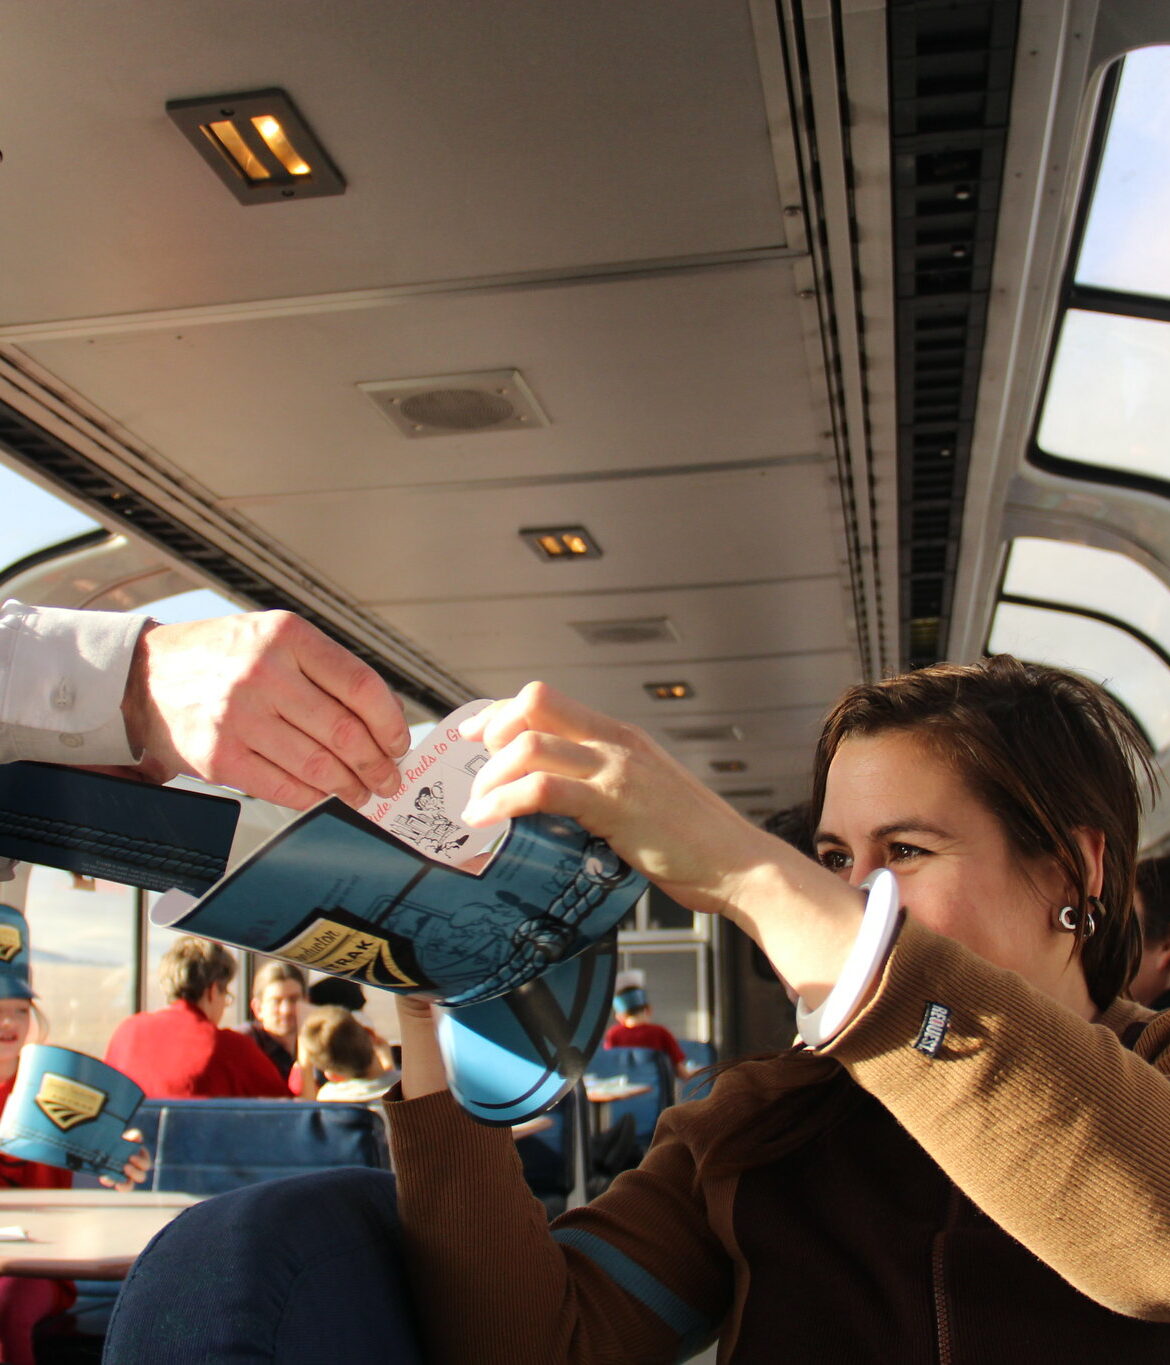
x=891, y=802
x=15, y=1018
x=277, y=1007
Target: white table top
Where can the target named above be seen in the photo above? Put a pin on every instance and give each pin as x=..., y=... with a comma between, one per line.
x=81, y=1234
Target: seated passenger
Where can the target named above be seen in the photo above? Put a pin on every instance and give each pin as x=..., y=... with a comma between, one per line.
x=25, y=1301
x=180, y=1052
x=1151, y=982
x=278, y=994
x=635, y=1028
x=335, y=1043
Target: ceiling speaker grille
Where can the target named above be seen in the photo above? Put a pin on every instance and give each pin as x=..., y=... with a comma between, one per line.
x=457, y=404
x=703, y=734
x=634, y=631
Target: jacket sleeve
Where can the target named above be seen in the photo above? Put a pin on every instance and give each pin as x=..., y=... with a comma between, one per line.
x=635, y=1275
x=62, y=676
x=1046, y=1121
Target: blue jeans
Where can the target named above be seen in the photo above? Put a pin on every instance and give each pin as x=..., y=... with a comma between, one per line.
x=300, y=1271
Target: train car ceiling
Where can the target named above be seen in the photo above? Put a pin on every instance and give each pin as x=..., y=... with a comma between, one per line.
x=745, y=262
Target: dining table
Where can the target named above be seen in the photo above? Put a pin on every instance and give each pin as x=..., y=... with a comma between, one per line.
x=84, y=1234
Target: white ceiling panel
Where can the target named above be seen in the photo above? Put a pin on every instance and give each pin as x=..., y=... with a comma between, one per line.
x=812, y=679
x=784, y=617
x=476, y=140
x=668, y=530
x=696, y=367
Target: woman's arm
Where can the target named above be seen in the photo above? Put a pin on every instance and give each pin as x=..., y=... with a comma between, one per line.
x=627, y=1278
x=1045, y=1121
x=552, y=754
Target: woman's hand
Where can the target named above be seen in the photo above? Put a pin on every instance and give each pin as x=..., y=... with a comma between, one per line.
x=552, y=754
x=423, y=1072
x=135, y=1170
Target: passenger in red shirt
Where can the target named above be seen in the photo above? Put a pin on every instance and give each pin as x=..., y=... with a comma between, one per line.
x=632, y=1010
x=180, y=1052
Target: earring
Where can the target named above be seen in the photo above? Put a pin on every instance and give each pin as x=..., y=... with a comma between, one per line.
x=1068, y=918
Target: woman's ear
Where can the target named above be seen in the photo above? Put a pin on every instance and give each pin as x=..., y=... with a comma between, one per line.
x=1091, y=842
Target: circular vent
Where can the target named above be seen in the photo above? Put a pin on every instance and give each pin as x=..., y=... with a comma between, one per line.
x=457, y=409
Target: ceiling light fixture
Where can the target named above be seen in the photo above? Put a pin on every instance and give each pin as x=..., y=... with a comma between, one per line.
x=668, y=691
x=259, y=146
x=560, y=542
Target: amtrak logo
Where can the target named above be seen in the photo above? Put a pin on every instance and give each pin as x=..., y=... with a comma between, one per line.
x=11, y=942
x=327, y=946
x=67, y=1103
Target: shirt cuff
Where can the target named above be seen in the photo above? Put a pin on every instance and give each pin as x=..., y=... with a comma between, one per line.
x=62, y=678
x=879, y=928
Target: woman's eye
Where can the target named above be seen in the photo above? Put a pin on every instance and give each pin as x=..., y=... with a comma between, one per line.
x=834, y=859
x=902, y=853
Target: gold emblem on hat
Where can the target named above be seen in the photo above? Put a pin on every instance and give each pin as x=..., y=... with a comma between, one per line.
x=327, y=946
x=11, y=941
x=67, y=1102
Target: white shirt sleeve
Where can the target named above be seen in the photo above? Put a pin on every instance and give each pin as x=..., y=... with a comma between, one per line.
x=62, y=676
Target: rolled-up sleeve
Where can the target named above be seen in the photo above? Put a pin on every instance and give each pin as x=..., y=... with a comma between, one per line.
x=62, y=676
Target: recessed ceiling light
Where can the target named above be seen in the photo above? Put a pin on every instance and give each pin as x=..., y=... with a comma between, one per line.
x=561, y=542
x=259, y=146
x=669, y=691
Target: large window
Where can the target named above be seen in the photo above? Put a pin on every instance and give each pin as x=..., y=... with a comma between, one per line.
x=1105, y=415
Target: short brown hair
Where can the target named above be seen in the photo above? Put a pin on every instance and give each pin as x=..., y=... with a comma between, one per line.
x=1047, y=752
x=335, y=1041
x=191, y=966
x=276, y=970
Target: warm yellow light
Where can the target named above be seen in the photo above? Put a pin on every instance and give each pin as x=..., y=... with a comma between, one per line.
x=226, y=136
x=276, y=140
x=550, y=545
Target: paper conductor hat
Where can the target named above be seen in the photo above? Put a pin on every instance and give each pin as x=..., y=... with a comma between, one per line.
x=14, y=956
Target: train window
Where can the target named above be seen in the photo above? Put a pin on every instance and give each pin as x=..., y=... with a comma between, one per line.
x=35, y=519
x=84, y=936
x=1108, y=403
x=1125, y=246
x=1135, y=674
x=1101, y=582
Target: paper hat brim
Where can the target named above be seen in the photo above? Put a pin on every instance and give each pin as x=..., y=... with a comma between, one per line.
x=630, y=1000
x=514, y=1057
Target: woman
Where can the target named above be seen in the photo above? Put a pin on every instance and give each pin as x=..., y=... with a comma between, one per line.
x=965, y=1160
x=25, y=1301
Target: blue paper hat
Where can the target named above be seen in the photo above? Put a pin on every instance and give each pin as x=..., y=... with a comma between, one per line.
x=628, y=1001
x=68, y=1109
x=14, y=956
x=520, y=954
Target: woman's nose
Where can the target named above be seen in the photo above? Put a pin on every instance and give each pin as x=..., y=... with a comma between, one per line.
x=862, y=868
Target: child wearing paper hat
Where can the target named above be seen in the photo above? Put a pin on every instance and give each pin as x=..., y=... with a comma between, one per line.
x=634, y=1028
x=24, y=1301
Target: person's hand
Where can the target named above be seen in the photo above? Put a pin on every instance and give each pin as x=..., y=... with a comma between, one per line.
x=552, y=754
x=423, y=1072
x=135, y=1170
x=265, y=703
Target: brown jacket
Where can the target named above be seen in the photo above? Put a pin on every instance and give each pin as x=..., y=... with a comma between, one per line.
x=1007, y=1197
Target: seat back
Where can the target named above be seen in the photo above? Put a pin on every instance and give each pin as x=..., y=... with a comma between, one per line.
x=207, y=1146
x=698, y=1055
x=641, y=1066
x=548, y=1158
